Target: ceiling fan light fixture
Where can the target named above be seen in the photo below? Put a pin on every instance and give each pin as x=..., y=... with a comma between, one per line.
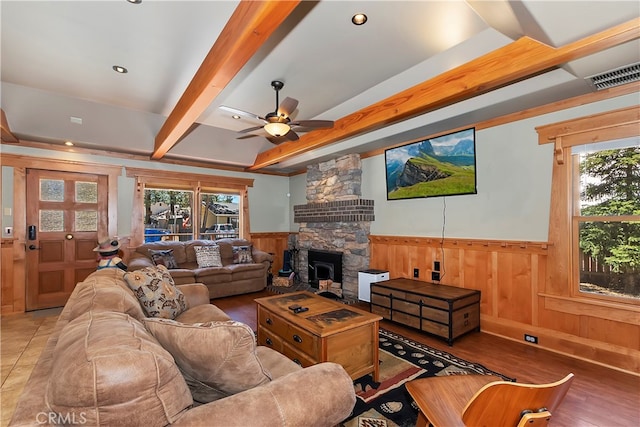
x=277, y=129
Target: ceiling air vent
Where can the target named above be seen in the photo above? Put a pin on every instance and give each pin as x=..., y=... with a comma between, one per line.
x=615, y=77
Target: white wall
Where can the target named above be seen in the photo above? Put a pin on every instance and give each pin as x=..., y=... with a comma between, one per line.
x=268, y=201
x=513, y=179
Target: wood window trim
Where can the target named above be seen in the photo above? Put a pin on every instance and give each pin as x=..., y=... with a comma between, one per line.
x=616, y=124
x=198, y=183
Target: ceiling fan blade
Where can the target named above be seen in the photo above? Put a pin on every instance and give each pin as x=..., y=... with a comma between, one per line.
x=315, y=124
x=247, y=136
x=287, y=107
x=242, y=113
x=248, y=130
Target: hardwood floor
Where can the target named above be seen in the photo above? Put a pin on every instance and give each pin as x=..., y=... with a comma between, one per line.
x=598, y=397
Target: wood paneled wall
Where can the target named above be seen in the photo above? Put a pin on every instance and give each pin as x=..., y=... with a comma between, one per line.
x=511, y=277
x=275, y=243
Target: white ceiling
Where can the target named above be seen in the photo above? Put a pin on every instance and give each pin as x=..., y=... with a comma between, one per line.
x=56, y=61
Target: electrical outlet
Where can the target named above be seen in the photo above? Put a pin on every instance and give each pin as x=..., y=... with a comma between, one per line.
x=436, y=265
x=530, y=338
x=435, y=276
x=416, y=272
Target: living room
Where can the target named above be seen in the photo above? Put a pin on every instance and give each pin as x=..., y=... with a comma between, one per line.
x=511, y=239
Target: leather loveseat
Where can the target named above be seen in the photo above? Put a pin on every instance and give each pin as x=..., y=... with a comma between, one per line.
x=107, y=363
x=231, y=278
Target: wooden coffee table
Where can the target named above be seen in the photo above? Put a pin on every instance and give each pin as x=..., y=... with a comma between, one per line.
x=328, y=332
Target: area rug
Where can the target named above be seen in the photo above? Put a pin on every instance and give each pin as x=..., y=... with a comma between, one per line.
x=402, y=360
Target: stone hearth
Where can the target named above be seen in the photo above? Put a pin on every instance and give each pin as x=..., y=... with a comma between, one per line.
x=335, y=218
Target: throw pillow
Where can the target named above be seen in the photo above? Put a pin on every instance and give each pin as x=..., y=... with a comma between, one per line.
x=156, y=291
x=208, y=256
x=163, y=257
x=219, y=357
x=242, y=254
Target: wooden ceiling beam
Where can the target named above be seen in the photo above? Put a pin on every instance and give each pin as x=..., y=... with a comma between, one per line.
x=521, y=59
x=7, y=136
x=246, y=31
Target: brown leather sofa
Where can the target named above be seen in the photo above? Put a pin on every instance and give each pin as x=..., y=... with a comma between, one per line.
x=230, y=279
x=101, y=366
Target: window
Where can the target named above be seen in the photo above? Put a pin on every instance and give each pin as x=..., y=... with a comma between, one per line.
x=178, y=206
x=221, y=215
x=606, y=219
x=594, y=223
x=167, y=214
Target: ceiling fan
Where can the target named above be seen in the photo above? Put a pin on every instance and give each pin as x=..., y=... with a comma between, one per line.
x=278, y=124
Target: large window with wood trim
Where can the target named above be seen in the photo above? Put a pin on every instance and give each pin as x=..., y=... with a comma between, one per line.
x=606, y=217
x=170, y=206
x=594, y=226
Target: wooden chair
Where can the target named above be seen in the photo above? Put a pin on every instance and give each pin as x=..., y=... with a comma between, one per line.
x=484, y=400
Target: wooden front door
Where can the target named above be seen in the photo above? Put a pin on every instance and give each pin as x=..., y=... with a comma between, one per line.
x=65, y=210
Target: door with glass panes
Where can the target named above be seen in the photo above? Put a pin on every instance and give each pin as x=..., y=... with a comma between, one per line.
x=65, y=210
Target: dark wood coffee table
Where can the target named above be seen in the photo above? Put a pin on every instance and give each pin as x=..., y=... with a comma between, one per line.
x=328, y=332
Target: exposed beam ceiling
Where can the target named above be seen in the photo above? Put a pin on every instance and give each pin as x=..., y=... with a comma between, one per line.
x=521, y=59
x=7, y=136
x=249, y=27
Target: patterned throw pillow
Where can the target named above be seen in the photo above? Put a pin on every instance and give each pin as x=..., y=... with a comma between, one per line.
x=242, y=255
x=163, y=257
x=208, y=256
x=157, y=292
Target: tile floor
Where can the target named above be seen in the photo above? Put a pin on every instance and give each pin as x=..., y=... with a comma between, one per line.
x=22, y=338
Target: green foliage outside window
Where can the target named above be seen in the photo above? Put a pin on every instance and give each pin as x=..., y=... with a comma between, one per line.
x=611, y=188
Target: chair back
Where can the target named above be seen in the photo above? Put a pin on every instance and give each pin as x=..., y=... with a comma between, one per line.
x=503, y=403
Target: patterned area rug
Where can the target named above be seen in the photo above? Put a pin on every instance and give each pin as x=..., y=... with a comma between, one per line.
x=403, y=360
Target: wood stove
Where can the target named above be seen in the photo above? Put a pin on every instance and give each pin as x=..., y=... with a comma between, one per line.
x=324, y=265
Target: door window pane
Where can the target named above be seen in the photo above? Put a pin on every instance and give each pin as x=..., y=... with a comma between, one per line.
x=86, y=221
x=86, y=192
x=51, y=190
x=51, y=220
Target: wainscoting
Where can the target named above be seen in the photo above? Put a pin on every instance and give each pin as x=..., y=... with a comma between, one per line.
x=516, y=299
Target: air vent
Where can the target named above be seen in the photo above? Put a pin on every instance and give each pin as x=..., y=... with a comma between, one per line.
x=616, y=77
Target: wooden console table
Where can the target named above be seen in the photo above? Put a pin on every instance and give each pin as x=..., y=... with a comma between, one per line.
x=328, y=332
x=445, y=311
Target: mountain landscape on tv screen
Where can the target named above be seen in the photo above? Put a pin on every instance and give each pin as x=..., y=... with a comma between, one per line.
x=436, y=167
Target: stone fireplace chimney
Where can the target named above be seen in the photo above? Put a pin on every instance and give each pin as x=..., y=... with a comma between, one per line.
x=335, y=218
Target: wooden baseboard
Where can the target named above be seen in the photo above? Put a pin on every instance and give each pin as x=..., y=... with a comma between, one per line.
x=611, y=356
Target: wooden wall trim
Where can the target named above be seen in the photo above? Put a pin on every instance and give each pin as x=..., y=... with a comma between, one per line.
x=610, y=356
x=35, y=162
x=516, y=297
x=589, y=128
x=215, y=181
x=592, y=307
x=476, y=244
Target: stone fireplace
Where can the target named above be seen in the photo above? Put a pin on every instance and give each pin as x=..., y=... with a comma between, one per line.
x=335, y=219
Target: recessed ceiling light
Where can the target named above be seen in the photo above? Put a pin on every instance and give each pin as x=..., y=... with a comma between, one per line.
x=120, y=69
x=235, y=116
x=135, y=1
x=359, y=18
x=68, y=143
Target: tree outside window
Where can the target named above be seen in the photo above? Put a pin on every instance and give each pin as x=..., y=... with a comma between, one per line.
x=608, y=219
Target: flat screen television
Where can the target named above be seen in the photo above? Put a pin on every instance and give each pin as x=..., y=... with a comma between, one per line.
x=440, y=166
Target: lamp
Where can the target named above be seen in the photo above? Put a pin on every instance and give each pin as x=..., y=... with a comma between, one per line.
x=277, y=128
